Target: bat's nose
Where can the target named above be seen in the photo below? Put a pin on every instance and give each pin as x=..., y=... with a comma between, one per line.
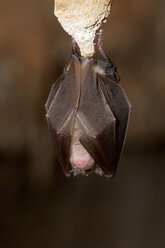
x=80, y=158
x=82, y=163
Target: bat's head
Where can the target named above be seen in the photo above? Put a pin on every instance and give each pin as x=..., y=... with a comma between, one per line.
x=81, y=161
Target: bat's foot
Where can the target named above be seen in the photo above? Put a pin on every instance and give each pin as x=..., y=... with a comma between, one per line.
x=100, y=46
x=110, y=69
x=75, y=48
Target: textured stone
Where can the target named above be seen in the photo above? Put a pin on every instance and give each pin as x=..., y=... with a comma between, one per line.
x=81, y=19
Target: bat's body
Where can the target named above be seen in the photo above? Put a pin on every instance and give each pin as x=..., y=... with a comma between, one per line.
x=88, y=113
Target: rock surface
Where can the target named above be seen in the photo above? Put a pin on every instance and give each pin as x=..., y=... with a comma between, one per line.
x=81, y=19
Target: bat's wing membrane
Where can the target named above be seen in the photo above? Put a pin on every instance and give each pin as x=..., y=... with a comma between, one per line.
x=53, y=91
x=100, y=108
x=61, y=108
x=120, y=106
x=96, y=122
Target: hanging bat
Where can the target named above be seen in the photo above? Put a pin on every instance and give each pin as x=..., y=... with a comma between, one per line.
x=88, y=114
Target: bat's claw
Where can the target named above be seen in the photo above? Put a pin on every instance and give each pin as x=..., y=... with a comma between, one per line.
x=100, y=35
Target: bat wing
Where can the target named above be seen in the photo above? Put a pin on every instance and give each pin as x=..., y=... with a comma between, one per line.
x=120, y=106
x=53, y=91
x=61, y=107
x=96, y=122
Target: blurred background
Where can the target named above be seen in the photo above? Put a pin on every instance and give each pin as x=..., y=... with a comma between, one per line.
x=39, y=206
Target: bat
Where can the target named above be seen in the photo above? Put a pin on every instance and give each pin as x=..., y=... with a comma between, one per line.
x=88, y=113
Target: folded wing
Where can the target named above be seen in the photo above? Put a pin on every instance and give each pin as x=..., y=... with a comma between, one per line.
x=61, y=108
x=120, y=106
x=96, y=122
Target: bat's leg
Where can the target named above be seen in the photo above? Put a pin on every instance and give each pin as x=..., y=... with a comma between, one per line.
x=111, y=68
x=100, y=46
x=75, y=48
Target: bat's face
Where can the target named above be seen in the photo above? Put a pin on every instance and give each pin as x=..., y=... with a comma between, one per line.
x=88, y=112
x=80, y=159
